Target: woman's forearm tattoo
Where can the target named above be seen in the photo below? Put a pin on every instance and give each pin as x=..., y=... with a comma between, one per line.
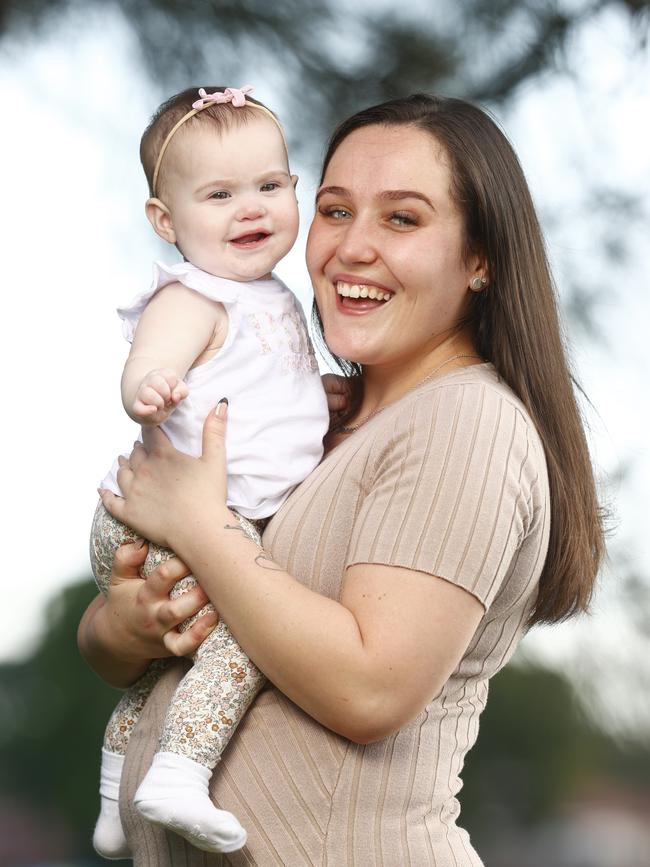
x=265, y=562
x=262, y=560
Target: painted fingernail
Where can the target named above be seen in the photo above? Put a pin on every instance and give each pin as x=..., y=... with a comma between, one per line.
x=222, y=408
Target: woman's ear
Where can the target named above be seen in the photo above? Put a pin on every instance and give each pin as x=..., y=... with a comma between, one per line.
x=160, y=218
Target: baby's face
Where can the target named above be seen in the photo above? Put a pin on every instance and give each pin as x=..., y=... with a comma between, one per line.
x=231, y=199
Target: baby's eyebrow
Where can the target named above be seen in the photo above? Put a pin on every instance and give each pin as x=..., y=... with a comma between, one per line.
x=274, y=173
x=233, y=182
x=219, y=182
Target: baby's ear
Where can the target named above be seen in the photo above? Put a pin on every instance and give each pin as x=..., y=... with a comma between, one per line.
x=294, y=180
x=160, y=218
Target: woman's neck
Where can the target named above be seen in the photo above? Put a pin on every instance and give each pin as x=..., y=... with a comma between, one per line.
x=384, y=384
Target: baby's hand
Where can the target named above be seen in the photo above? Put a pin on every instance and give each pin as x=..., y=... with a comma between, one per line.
x=158, y=395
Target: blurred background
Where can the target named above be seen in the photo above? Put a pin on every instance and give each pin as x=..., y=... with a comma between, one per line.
x=561, y=773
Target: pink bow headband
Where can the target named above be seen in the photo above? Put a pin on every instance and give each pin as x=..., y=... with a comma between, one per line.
x=234, y=95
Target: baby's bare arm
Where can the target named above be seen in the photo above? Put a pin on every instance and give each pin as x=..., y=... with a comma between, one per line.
x=175, y=328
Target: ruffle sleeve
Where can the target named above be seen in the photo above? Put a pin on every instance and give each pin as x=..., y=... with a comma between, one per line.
x=216, y=288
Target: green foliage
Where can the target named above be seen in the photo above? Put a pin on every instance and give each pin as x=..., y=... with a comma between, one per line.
x=536, y=751
x=535, y=748
x=53, y=711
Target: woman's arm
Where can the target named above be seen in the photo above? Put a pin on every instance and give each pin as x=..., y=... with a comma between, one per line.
x=176, y=327
x=363, y=666
x=120, y=634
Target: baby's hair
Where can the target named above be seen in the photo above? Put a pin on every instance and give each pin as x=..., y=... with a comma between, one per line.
x=220, y=115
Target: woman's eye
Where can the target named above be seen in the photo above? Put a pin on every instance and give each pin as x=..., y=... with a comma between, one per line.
x=268, y=188
x=220, y=194
x=401, y=218
x=334, y=212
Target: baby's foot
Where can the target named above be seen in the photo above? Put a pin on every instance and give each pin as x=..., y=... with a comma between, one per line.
x=175, y=794
x=109, y=840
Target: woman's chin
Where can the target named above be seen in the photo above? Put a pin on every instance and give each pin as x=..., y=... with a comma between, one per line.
x=346, y=349
x=353, y=347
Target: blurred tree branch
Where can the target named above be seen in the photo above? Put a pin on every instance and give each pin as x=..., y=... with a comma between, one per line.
x=343, y=57
x=326, y=59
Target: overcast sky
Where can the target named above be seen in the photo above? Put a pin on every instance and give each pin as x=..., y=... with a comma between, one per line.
x=77, y=244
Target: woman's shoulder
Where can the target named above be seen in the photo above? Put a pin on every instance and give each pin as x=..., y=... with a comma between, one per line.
x=480, y=379
x=475, y=394
x=467, y=425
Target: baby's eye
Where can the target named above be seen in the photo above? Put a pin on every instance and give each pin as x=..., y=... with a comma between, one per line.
x=334, y=212
x=402, y=218
x=270, y=186
x=220, y=194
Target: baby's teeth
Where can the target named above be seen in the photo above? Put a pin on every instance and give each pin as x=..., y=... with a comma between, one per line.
x=363, y=292
x=372, y=292
x=355, y=291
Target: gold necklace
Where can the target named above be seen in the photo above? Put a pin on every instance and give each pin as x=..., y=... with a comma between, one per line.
x=351, y=428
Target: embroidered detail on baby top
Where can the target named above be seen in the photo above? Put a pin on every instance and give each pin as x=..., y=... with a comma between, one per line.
x=263, y=325
x=287, y=335
x=299, y=363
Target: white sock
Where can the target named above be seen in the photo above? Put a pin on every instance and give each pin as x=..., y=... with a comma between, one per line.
x=109, y=840
x=175, y=794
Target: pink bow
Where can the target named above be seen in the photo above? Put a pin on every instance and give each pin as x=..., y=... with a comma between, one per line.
x=236, y=95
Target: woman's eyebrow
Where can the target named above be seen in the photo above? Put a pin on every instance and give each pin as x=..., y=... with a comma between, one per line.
x=390, y=195
x=396, y=195
x=335, y=191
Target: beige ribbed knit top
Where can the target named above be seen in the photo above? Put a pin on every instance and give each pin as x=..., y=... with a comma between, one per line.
x=451, y=481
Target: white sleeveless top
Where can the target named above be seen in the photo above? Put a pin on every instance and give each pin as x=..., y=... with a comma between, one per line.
x=277, y=414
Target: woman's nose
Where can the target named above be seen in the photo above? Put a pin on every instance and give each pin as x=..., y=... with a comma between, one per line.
x=357, y=243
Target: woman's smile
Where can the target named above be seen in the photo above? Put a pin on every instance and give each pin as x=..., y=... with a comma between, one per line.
x=359, y=295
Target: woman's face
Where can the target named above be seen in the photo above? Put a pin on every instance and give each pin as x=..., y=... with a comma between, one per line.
x=387, y=230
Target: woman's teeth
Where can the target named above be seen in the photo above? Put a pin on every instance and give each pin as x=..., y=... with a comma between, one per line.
x=360, y=290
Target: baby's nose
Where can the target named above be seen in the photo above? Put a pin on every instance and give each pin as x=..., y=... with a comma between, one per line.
x=251, y=209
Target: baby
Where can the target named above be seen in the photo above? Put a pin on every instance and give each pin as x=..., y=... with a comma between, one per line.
x=217, y=323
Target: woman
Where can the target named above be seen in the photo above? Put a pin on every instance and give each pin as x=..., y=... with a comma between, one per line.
x=455, y=507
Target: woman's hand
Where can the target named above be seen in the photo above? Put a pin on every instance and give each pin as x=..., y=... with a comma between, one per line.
x=165, y=489
x=137, y=621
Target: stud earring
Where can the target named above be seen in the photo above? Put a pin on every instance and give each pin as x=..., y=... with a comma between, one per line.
x=477, y=284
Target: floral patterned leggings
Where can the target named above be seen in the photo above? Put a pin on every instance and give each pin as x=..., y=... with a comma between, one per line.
x=216, y=692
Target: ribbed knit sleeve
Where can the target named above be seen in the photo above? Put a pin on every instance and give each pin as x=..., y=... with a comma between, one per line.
x=449, y=492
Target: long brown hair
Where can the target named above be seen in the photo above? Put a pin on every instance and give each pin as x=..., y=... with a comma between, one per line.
x=516, y=325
